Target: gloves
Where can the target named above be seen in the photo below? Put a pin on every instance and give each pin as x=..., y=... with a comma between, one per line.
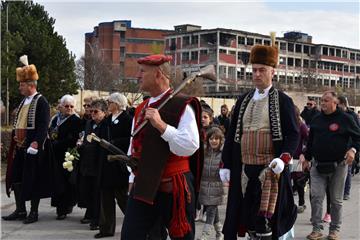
x=131, y=178
x=277, y=165
x=224, y=175
x=32, y=151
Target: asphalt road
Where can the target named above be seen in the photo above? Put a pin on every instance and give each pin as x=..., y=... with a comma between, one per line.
x=49, y=228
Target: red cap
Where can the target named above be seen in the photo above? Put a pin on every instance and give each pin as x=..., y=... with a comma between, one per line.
x=155, y=60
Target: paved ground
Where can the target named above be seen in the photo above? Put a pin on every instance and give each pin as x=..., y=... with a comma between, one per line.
x=49, y=228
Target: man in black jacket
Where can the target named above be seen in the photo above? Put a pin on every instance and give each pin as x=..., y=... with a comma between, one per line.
x=329, y=144
x=310, y=111
x=344, y=105
x=27, y=171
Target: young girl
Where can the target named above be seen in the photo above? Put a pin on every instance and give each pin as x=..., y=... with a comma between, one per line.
x=211, y=188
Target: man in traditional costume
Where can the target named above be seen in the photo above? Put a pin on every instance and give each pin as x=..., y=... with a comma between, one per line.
x=27, y=168
x=169, y=163
x=262, y=137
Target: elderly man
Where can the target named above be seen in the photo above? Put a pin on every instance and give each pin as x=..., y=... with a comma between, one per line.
x=262, y=137
x=164, y=148
x=334, y=139
x=27, y=171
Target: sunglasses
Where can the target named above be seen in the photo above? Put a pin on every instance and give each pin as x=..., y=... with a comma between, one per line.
x=95, y=111
x=309, y=104
x=86, y=105
x=68, y=106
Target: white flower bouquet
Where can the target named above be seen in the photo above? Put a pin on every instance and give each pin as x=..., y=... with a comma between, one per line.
x=71, y=155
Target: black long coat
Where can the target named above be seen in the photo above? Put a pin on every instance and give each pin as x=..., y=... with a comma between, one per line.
x=114, y=174
x=91, y=155
x=67, y=134
x=285, y=211
x=34, y=171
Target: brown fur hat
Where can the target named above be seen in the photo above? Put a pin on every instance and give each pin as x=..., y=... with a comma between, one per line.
x=267, y=55
x=26, y=73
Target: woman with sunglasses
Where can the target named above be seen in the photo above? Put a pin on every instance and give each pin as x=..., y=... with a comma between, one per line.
x=64, y=130
x=86, y=116
x=91, y=155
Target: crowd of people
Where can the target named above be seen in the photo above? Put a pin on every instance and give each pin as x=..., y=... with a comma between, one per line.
x=170, y=163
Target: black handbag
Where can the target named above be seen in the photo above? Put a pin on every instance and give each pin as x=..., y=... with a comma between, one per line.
x=326, y=167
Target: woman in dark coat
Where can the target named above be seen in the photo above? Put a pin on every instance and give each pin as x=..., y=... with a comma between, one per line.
x=91, y=155
x=64, y=131
x=113, y=176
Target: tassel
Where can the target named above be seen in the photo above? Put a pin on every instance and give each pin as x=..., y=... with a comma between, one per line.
x=179, y=226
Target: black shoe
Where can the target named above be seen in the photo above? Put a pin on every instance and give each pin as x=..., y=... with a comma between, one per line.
x=101, y=235
x=33, y=217
x=69, y=210
x=94, y=227
x=61, y=217
x=85, y=220
x=16, y=215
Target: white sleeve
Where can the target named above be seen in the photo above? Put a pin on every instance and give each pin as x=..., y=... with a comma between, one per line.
x=131, y=138
x=184, y=140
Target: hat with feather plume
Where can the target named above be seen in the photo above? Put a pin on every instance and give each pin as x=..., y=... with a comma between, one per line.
x=27, y=73
x=267, y=55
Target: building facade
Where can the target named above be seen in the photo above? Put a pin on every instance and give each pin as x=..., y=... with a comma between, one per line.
x=303, y=65
x=118, y=45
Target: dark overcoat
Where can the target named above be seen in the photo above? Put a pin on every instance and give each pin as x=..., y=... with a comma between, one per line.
x=115, y=174
x=63, y=137
x=285, y=211
x=33, y=171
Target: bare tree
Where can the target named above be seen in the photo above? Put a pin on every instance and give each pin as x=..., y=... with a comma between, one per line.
x=194, y=89
x=80, y=72
x=93, y=73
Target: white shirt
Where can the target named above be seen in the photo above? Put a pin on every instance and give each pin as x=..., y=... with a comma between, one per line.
x=114, y=116
x=183, y=140
x=29, y=99
x=258, y=96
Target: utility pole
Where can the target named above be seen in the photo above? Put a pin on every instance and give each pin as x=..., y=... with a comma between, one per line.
x=7, y=67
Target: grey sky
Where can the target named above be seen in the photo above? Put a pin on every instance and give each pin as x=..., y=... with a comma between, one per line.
x=328, y=22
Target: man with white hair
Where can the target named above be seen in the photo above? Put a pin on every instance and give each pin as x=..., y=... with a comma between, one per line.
x=29, y=135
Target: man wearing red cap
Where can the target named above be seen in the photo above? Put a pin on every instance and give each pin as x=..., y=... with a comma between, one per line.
x=262, y=137
x=168, y=158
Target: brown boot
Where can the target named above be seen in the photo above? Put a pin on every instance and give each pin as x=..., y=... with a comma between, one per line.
x=333, y=235
x=315, y=236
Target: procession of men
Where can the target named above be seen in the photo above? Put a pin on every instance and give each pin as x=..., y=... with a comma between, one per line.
x=158, y=160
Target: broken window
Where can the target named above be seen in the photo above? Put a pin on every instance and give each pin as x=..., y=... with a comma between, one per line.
x=227, y=40
x=194, y=55
x=195, y=39
x=249, y=41
x=208, y=39
x=241, y=40
x=186, y=40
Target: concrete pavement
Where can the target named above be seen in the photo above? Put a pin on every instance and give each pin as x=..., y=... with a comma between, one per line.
x=49, y=228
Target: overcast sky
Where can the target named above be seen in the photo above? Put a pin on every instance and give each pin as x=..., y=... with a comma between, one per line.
x=328, y=22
